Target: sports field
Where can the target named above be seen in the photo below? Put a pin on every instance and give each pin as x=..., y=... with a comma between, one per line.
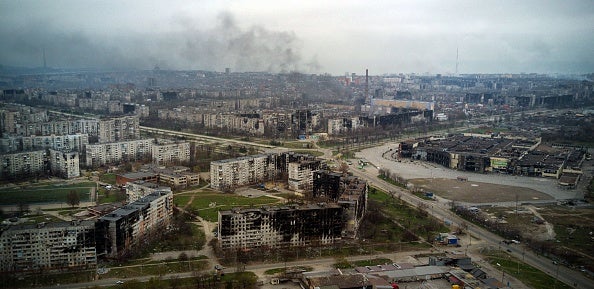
x=54, y=193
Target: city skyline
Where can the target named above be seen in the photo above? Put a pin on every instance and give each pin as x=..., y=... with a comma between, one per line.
x=306, y=36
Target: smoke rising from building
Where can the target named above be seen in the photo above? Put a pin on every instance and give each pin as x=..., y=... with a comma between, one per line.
x=188, y=47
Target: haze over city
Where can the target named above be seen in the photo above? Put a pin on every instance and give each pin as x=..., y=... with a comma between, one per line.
x=306, y=36
x=296, y=144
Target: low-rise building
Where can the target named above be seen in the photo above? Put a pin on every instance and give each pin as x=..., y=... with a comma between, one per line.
x=176, y=176
x=138, y=189
x=146, y=176
x=179, y=179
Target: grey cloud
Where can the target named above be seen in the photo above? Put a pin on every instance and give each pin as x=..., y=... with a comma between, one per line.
x=189, y=47
x=255, y=48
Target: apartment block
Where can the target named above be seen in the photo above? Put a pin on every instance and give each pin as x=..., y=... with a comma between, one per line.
x=119, y=129
x=327, y=185
x=71, y=142
x=231, y=173
x=250, y=123
x=342, y=203
x=55, y=127
x=8, y=120
x=64, y=164
x=344, y=125
x=353, y=200
x=300, y=174
x=274, y=227
x=12, y=116
x=124, y=230
x=22, y=164
x=107, y=153
x=48, y=247
x=167, y=152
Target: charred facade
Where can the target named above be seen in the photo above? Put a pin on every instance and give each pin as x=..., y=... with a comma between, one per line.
x=280, y=226
x=129, y=227
x=50, y=247
x=321, y=223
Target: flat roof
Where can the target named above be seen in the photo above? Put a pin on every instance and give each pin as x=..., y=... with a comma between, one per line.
x=138, y=175
x=50, y=225
x=413, y=272
x=241, y=158
x=134, y=206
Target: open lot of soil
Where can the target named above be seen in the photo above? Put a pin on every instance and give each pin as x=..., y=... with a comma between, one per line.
x=477, y=192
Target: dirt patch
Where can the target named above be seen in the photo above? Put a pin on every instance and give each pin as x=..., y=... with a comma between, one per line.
x=477, y=192
x=522, y=221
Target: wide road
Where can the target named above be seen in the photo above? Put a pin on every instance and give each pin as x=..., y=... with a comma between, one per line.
x=195, y=136
x=440, y=211
x=317, y=264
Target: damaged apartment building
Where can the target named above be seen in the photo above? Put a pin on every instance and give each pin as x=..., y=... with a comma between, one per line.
x=122, y=231
x=48, y=247
x=319, y=223
x=297, y=168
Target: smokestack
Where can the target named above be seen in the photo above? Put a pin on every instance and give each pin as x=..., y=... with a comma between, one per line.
x=44, y=62
x=367, y=86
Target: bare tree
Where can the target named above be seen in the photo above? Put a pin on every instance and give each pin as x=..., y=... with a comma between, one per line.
x=183, y=256
x=344, y=168
x=23, y=207
x=72, y=198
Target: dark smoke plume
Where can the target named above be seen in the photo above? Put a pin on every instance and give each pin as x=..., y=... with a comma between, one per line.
x=190, y=47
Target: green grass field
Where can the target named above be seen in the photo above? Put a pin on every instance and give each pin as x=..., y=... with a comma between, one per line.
x=108, y=178
x=309, y=152
x=416, y=221
x=527, y=274
x=165, y=267
x=203, y=200
x=297, y=144
x=44, y=194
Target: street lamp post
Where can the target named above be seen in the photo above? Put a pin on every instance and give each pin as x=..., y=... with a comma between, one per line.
x=556, y=277
x=518, y=263
x=502, y=273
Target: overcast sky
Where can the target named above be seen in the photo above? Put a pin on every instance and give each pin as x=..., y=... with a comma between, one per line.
x=309, y=36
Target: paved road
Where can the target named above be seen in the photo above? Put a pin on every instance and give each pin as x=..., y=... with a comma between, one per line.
x=259, y=269
x=441, y=212
x=201, y=136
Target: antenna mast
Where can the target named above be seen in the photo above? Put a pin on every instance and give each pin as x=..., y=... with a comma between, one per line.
x=456, y=61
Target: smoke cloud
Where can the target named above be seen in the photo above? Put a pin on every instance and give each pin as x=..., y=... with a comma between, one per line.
x=187, y=47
